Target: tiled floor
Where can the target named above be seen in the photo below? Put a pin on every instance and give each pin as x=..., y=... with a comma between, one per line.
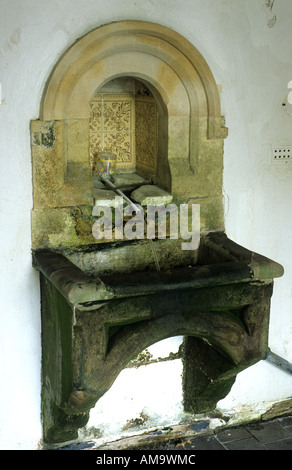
x=263, y=435
x=270, y=435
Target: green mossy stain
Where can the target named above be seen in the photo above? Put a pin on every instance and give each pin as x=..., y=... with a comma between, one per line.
x=56, y=365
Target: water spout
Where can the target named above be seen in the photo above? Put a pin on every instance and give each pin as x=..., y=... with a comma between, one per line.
x=137, y=209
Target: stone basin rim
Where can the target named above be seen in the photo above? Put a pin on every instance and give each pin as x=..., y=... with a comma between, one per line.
x=80, y=288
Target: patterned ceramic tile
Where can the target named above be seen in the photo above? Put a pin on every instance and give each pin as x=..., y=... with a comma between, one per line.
x=127, y=126
x=118, y=114
x=112, y=127
x=95, y=117
x=146, y=133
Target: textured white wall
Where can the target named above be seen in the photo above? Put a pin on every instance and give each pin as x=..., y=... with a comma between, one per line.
x=248, y=48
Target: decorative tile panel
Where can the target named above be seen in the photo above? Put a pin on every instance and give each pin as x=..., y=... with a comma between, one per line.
x=146, y=133
x=112, y=127
x=126, y=125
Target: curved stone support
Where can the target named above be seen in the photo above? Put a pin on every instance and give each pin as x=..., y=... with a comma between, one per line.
x=86, y=345
x=240, y=334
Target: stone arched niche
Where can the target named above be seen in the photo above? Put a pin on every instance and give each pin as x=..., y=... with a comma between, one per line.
x=190, y=128
x=124, y=120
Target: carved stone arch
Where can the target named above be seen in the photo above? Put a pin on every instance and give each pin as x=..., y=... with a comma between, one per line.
x=85, y=62
x=190, y=133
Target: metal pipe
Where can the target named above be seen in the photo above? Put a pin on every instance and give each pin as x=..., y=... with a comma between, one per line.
x=107, y=181
x=279, y=362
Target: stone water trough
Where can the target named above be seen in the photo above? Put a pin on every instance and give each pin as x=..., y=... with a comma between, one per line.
x=102, y=305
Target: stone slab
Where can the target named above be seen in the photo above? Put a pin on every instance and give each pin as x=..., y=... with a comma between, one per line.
x=106, y=198
x=151, y=194
x=128, y=179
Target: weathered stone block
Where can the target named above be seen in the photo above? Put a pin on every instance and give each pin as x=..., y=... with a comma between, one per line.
x=150, y=194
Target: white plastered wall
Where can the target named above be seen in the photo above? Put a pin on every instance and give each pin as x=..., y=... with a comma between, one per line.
x=248, y=48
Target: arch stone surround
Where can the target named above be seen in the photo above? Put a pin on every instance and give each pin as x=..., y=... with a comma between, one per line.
x=190, y=160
